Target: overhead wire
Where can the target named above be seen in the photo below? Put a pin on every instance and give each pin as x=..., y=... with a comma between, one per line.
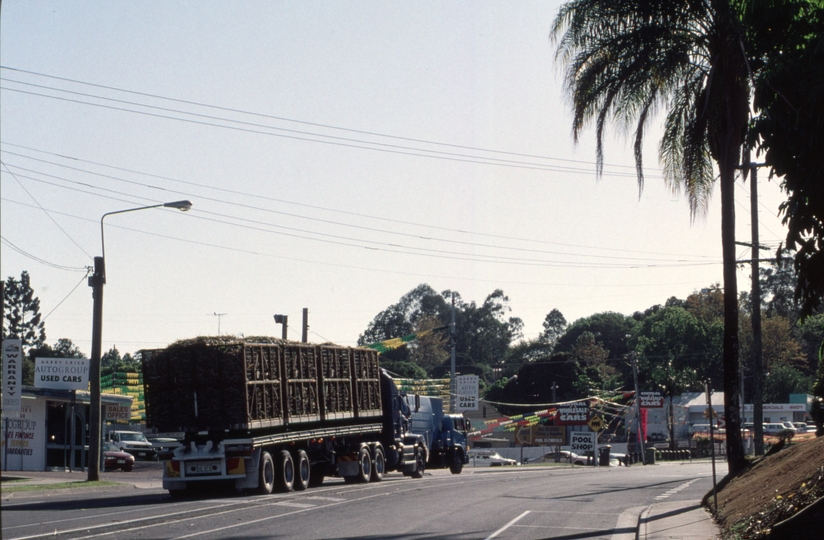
x=637, y=260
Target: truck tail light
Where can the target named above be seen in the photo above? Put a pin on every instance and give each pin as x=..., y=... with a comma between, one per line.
x=173, y=469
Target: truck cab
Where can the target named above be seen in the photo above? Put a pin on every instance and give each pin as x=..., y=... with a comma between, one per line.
x=445, y=434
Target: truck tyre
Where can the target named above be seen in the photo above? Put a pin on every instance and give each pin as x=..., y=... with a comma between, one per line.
x=266, y=474
x=420, y=464
x=364, y=465
x=285, y=472
x=456, y=461
x=379, y=465
x=302, y=470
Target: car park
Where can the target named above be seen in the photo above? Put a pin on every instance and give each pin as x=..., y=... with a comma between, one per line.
x=488, y=458
x=114, y=459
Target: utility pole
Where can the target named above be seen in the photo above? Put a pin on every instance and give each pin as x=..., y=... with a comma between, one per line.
x=452, y=389
x=305, y=333
x=758, y=360
x=638, y=439
x=554, y=387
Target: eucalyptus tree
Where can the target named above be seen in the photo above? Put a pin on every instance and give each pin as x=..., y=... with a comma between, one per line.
x=626, y=59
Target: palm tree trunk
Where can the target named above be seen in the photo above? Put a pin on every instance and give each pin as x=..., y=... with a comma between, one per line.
x=736, y=459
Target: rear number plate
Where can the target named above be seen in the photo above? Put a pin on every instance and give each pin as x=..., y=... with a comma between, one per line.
x=203, y=468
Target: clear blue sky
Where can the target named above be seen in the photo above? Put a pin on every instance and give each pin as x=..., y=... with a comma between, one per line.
x=338, y=154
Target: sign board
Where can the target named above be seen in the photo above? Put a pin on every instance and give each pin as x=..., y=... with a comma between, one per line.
x=541, y=435
x=61, y=373
x=573, y=414
x=596, y=423
x=651, y=400
x=581, y=442
x=115, y=413
x=12, y=374
x=466, y=393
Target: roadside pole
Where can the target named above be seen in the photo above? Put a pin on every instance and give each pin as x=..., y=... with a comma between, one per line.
x=712, y=445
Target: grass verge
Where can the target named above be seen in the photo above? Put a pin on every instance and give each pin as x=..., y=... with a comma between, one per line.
x=6, y=488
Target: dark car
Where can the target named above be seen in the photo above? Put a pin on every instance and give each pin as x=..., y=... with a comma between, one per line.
x=114, y=459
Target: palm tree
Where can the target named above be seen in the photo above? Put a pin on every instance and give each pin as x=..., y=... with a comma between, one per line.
x=626, y=59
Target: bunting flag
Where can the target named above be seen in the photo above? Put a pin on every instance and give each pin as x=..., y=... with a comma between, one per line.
x=394, y=343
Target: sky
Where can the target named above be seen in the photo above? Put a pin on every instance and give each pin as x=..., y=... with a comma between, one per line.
x=337, y=155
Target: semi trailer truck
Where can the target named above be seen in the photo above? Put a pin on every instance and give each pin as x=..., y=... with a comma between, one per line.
x=264, y=415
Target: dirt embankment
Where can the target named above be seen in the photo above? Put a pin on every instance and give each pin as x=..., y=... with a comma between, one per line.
x=772, y=490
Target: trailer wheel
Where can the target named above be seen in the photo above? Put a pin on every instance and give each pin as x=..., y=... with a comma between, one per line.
x=303, y=470
x=285, y=476
x=364, y=465
x=420, y=464
x=456, y=461
x=266, y=474
x=379, y=466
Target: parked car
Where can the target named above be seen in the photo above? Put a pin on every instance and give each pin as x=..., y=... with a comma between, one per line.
x=114, y=459
x=163, y=444
x=135, y=443
x=565, y=456
x=802, y=427
x=488, y=458
x=790, y=426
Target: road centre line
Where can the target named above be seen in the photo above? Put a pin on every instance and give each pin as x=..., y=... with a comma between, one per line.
x=505, y=527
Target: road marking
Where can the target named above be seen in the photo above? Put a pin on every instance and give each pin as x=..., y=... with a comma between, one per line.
x=505, y=527
x=294, y=504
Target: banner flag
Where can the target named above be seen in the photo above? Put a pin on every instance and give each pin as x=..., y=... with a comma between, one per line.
x=395, y=343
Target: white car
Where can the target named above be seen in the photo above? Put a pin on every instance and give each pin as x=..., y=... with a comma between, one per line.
x=489, y=458
x=565, y=456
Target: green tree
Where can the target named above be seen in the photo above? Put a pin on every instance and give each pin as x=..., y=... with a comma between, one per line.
x=611, y=330
x=628, y=58
x=22, y=319
x=674, y=354
x=783, y=381
x=789, y=93
x=554, y=326
x=401, y=319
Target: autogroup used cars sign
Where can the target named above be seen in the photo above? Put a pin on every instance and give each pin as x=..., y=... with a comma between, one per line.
x=61, y=373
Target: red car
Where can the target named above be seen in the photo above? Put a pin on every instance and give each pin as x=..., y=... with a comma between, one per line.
x=115, y=459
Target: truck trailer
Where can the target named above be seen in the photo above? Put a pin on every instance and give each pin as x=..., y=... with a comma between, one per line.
x=264, y=415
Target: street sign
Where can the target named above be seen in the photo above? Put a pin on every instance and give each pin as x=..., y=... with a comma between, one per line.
x=581, y=442
x=12, y=374
x=596, y=424
x=651, y=400
x=467, y=392
x=573, y=414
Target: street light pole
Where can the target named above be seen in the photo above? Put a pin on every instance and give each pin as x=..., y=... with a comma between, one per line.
x=96, y=281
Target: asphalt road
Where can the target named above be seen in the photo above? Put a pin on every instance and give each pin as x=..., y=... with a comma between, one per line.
x=522, y=503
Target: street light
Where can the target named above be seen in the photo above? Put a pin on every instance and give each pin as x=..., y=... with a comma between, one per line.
x=96, y=281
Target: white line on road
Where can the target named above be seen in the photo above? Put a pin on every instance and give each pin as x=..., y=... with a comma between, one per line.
x=505, y=527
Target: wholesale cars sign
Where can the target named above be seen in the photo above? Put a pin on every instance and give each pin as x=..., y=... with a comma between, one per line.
x=575, y=413
x=651, y=400
x=61, y=373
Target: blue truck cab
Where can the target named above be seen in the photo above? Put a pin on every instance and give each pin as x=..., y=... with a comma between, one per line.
x=445, y=434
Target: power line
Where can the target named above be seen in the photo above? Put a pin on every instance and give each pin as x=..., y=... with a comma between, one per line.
x=599, y=255
x=631, y=168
